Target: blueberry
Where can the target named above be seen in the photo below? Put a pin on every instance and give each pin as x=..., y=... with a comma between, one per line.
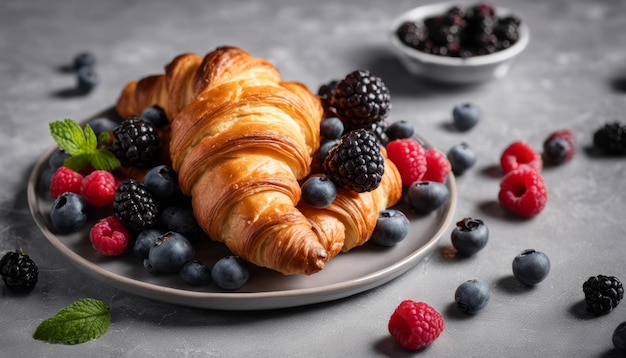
x=392, y=226
x=531, y=267
x=427, y=196
x=162, y=182
x=619, y=337
x=180, y=219
x=331, y=128
x=319, y=191
x=399, y=130
x=465, y=116
x=230, y=273
x=461, y=158
x=195, y=273
x=469, y=236
x=84, y=59
x=68, y=213
x=102, y=125
x=87, y=79
x=555, y=150
x=144, y=241
x=472, y=296
x=57, y=158
x=155, y=116
x=325, y=148
x=169, y=253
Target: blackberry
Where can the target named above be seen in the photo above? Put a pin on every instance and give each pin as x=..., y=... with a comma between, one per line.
x=135, y=206
x=136, y=143
x=361, y=98
x=611, y=139
x=355, y=162
x=602, y=293
x=378, y=129
x=19, y=271
x=326, y=91
x=412, y=34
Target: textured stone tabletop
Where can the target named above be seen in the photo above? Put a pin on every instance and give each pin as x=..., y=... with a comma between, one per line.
x=572, y=75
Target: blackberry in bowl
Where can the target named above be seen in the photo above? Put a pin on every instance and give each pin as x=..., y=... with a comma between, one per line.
x=449, y=43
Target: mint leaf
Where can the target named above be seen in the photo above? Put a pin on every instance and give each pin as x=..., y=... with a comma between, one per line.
x=68, y=135
x=82, y=145
x=81, y=321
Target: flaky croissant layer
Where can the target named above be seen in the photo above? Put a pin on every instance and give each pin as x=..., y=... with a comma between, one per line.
x=241, y=141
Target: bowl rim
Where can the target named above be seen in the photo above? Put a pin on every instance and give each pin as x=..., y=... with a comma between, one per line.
x=423, y=11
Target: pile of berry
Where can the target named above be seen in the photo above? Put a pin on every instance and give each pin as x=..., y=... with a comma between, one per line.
x=152, y=219
x=461, y=32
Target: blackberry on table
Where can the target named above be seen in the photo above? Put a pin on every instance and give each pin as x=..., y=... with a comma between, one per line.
x=135, y=143
x=135, y=206
x=19, y=272
x=602, y=293
x=361, y=98
x=355, y=162
x=611, y=139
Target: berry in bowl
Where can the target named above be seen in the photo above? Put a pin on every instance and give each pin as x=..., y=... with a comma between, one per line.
x=448, y=43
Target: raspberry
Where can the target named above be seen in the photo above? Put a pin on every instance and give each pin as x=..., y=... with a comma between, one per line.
x=414, y=325
x=520, y=153
x=65, y=180
x=523, y=191
x=437, y=166
x=410, y=159
x=98, y=188
x=109, y=236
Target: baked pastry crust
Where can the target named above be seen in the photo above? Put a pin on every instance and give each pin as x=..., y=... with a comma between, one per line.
x=242, y=140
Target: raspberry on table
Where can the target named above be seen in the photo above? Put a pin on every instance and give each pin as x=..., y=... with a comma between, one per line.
x=415, y=325
x=523, y=192
x=520, y=153
x=409, y=157
x=437, y=166
x=109, y=236
x=65, y=180
x=98, y=188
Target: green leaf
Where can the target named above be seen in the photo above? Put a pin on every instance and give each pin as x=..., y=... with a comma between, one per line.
x=82, y=145
x=68, y=135
x=104, y=160
x=78, y=161
x=81, y=321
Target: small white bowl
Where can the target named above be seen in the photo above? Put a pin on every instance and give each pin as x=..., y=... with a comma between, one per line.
x=455, y=70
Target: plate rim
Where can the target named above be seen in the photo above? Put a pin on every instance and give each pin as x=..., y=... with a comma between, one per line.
x=236, y=301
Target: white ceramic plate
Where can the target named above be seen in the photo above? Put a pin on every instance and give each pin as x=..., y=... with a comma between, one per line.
x=359, y=270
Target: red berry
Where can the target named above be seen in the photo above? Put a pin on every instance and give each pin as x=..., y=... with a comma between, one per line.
x=520, y=153
x=98, y=188
x=409, y=157
x=437, y=166
x=109, y=236
x=414, y=325
x=65, y=180
x=523, y=191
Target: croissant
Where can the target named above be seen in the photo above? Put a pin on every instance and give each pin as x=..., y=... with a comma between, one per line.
x=242, y=140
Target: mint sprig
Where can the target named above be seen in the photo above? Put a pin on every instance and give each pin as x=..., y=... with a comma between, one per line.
x=81, y=321
x=82, y=145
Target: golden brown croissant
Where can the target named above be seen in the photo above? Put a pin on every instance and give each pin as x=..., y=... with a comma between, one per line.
x=241, y=140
